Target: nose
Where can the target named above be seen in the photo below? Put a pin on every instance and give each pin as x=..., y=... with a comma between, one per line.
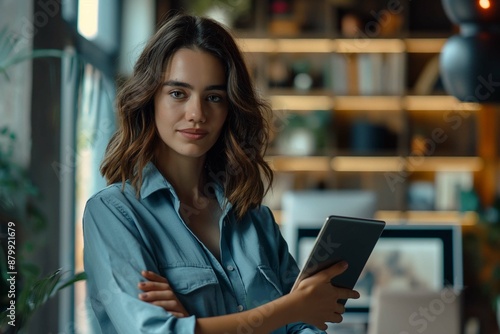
x=194, y=112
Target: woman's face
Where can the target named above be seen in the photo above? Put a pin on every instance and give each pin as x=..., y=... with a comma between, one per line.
x=191, y=106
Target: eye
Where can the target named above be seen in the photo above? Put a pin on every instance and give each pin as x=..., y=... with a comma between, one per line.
x=177, y=94
x=214, y=98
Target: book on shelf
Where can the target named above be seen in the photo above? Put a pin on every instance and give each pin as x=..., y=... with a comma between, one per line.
x=367, y=74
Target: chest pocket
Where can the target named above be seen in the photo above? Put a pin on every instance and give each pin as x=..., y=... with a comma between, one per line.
x=197, y=288
x=271, y=278
x=262, y=286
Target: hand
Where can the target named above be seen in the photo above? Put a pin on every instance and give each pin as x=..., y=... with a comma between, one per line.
x=157, y=291
x=320, y=299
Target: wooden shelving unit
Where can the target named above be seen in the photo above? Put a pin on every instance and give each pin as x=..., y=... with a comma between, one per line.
x=402, y=109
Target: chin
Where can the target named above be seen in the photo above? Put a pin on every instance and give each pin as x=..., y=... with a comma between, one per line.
x=193, y=153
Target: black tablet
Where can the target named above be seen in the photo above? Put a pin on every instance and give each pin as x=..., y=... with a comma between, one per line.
x=347, y=239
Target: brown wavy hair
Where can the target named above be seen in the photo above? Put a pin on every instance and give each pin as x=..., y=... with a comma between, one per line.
x=237, y=158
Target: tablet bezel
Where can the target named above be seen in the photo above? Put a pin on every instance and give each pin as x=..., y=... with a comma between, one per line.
x=327, y=252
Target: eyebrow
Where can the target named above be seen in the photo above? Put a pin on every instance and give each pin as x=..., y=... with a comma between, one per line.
x=175, y=83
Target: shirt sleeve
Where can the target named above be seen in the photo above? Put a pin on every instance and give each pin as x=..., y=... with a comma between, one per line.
x=288, y=271
x=114, y=255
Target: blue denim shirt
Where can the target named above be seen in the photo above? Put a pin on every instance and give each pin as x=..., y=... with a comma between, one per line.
x=124, y=234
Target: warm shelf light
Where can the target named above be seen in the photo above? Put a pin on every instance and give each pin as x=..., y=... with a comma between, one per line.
x=374, y=164
x=366, y=164
x=256, y=45
x=299, y=164
x=428, y=217
x=414, y=102
x=325, y=45
x=301, y=102
x=449, y=164
x=284, y=45
x=380, y=103
x=304, y=45
x=368, y=45
x=485, y=4
x=424, y=45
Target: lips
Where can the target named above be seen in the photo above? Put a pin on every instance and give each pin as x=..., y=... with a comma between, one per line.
x=193, y=134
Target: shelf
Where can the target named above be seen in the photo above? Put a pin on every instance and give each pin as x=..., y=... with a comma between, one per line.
x=415, y=217
x=326, y=45
x=301, y=102
x=294, y=101
x=367, y=164
x=374, y=103
x=448, y=164
x=374, y=164
x=367, y=45
x=286, y=45
x=428, y=217
x=299, y=164
x=437, y=102
x=424, y=45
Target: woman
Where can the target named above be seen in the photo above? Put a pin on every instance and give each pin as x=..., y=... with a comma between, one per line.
x=184, y=201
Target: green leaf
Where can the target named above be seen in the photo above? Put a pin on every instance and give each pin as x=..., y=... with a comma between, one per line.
x=76, y=278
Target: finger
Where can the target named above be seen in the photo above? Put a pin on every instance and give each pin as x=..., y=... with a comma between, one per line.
x=334, y=318
x=337, y=318
x=349, y=294
x=169, y=305
x=322, y=326
x=339, y=309
x=157, y=296
x=344, y=293
x=153, y=276
x=150, y=286
x=334, y=270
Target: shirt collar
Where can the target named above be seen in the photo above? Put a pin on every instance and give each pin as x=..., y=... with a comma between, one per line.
x=152, y=181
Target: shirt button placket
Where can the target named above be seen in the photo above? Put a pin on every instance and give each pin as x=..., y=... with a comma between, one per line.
x=231, y=271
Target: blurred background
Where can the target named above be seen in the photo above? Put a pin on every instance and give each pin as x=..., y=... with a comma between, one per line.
x=371, y=120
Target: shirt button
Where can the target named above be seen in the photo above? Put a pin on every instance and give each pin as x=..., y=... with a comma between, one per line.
x=230, y=268
x=240, y=308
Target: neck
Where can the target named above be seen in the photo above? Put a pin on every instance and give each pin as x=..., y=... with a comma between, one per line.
x=187, y=176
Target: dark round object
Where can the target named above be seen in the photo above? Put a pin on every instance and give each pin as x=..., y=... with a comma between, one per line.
x=470, y=67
